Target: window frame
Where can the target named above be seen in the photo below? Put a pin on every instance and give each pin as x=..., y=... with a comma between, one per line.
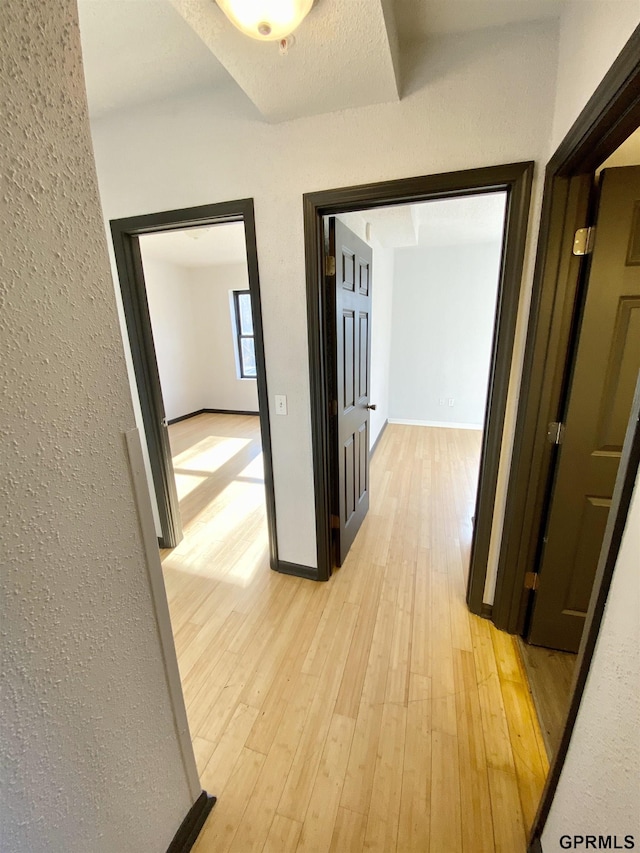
x=240, y=336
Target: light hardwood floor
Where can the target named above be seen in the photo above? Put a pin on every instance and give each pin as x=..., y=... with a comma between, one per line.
x=373, y=712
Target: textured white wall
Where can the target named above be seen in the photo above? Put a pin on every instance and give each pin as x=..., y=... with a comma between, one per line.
x=473, y=100
x=599, y=788
x=214, y=336
x=90, y=754
x=444, y=302
x=175, y=340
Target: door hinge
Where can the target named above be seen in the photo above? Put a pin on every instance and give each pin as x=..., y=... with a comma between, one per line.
x=330, y=265
x=531, y=581
x=583, y=241
x=555, y=432
x=335, y=522
x=333, y=408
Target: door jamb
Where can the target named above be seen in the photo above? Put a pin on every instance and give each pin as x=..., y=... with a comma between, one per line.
x=125, y=233
x=612, y=113
x=516, y=180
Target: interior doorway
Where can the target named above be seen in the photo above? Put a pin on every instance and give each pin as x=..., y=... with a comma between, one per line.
x=127, y=236
x=515, y=181
x=414, y=306
x=197, y=289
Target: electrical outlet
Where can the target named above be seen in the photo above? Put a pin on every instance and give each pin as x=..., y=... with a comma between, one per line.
x=441, y=401
x=451, y=401
x=281, y=404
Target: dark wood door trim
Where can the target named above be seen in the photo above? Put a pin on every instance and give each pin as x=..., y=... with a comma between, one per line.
x=543, y=384
x=610, y=116
x=125, y=234
x=625, y=483
x=136, y=311
x=516, y=180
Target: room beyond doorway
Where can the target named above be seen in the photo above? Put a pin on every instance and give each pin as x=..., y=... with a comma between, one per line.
x=423, y=345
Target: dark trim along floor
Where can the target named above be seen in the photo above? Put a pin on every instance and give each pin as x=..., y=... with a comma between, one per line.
x=189, y=830
x=210, y=412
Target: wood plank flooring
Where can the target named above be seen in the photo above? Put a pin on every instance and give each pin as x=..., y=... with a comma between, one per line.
x=370, y=713
x=550, y=676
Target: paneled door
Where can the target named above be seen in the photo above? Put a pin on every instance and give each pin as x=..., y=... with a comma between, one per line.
x=352, y=313
x=601, y=392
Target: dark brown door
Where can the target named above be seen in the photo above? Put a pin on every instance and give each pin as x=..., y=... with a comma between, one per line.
x=352, y=312
x=604, y=375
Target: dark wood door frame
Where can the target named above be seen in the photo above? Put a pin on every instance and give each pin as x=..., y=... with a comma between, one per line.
x=625, y=483
x=515, y=179
x=610, y=116
x=125, y=234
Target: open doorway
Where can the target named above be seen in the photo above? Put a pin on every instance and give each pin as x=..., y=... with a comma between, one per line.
x=197, y=289
x=148, y=396
x=514, y=181
x=423, y=356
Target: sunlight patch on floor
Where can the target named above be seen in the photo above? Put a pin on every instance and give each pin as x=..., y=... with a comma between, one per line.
x=226, y=537
x=210, y=453
x=186, y=483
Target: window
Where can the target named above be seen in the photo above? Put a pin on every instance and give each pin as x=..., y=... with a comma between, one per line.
x=245, y=341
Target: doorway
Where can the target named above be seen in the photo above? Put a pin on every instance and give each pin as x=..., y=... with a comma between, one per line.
x=127, y=235
x=196, y=284
x=513, y=180
x=414, y=301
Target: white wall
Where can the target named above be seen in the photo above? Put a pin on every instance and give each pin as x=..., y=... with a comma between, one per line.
x=175, y=340
x=221, y=386
x=592, y=34
x=193, y=335
x=444, y=302
x=473, y=100
x=91, y=760
x=381, y=314
x=599, y=788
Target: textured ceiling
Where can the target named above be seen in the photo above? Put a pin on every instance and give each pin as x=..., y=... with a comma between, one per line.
x=136, y=51
x=341, y=58
x=347, y=53
x=419, y=19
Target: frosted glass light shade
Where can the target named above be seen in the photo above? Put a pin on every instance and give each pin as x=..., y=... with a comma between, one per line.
x=266, y=20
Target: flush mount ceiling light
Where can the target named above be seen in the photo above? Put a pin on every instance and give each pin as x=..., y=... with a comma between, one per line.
x=266, y=20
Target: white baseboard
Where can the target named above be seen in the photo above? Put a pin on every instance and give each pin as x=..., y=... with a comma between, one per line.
x=441, y=424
